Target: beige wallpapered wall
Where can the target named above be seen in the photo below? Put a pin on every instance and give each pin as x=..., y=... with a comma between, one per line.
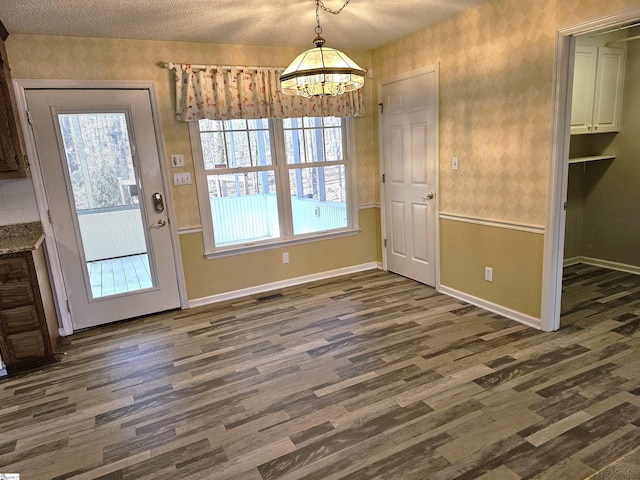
x=77, y=58
x=496, y=79
x=574, y=12
x=496, y=64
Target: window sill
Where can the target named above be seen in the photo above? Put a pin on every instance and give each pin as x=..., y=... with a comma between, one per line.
x=242, y=249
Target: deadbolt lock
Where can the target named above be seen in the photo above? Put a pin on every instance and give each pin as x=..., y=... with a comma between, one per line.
x=158, y=202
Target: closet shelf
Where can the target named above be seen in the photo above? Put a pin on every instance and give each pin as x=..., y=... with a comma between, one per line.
x=591, y=159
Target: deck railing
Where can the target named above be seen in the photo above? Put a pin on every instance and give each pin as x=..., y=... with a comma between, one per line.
x=112, y=233
x=119, y=232
x=309, y=215
x=261, y=210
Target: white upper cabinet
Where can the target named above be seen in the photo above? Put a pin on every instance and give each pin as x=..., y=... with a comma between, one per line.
x=598, y=81
x=584, y=88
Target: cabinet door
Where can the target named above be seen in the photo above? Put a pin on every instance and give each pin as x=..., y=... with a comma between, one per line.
x=24, y=350
x=584, y=86
x=13, y=161
x=26, y=338
x=609, y=86
x=15, y=283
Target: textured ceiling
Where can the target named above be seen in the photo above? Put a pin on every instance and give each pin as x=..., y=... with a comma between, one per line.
x=363, y=24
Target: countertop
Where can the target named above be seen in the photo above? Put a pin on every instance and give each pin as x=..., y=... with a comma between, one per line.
x=20, y=237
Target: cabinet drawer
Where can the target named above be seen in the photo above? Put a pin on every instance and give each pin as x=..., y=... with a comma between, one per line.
x=15, y=294
x=19, y=319
x=12, y=269
x=22, y=346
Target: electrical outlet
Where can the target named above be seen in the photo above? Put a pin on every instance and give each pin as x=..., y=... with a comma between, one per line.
x=285, y=257
x=454, y=163
x=488, y=274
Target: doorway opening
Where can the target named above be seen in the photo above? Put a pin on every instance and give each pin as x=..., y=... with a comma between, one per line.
x=581, y=142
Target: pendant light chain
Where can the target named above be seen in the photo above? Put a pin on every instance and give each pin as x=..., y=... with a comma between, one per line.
x=335, y=12
x=320, y=5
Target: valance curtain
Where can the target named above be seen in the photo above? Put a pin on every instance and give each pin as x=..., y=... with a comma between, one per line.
x=224, y=94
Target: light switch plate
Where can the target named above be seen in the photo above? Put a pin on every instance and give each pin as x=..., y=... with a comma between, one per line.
x=454, y=163
x=177, y=160
x=182, y=178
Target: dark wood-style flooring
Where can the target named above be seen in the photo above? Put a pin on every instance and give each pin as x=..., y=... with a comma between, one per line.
x=364, y=376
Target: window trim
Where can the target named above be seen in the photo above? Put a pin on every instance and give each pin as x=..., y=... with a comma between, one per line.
x=284, y=203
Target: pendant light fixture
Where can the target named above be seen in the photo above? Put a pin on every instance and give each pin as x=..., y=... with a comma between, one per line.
x=322, y=70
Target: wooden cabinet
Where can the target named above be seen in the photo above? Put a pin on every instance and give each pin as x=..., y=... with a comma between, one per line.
x=598, y=82
x=28, y=322
x=13, y=158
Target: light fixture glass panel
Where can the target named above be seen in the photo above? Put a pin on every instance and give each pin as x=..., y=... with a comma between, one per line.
x=321, y=71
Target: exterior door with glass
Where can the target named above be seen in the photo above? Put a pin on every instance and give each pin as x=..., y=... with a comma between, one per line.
x=99, y=158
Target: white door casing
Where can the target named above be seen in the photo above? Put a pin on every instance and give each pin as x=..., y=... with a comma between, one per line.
x=44, y=106
x=409, y=163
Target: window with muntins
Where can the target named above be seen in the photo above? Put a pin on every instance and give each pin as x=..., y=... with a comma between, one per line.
x=266, y=182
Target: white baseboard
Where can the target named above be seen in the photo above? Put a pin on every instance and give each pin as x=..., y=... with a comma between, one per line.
x=598, y=262
x=492, y=307
x=290, y=282
x=567, y=262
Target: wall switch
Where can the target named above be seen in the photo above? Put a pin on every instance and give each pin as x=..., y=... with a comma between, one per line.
x=285, y=257
x=454, y=163
x=177, y=160
x=488, y=274
x=182, y=178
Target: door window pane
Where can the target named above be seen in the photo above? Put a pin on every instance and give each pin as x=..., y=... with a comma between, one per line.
x=106, y=198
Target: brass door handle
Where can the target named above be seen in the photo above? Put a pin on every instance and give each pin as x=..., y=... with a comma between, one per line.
x=161, y=223
x=428, y=196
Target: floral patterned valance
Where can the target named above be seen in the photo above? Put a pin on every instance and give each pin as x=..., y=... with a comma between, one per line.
x=218, y=93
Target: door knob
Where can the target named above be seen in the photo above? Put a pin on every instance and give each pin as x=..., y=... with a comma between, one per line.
x=428, y=196
x=161, y=223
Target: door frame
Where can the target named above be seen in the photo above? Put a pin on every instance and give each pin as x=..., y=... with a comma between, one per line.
x=433, y=68
x=558, y=165
x=21, y=86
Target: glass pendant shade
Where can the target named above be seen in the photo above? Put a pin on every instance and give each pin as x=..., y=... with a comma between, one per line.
x=321, y=71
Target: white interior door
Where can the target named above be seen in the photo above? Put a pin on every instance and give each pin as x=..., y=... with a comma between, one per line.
x=101, y=170
x=410, y=152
